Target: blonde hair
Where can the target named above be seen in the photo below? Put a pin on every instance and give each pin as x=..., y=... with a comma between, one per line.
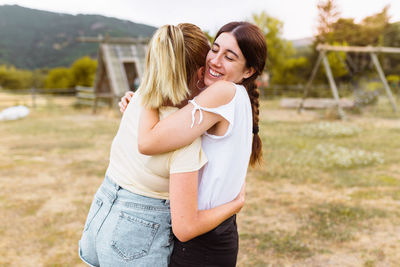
x=165, y=76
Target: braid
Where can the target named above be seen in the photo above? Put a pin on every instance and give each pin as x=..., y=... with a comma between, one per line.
x=252, y=43
x=254, y=94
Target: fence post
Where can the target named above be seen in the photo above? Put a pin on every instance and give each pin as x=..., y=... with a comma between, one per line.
x=33, y=93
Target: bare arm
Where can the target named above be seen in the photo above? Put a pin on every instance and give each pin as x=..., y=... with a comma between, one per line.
x=174, y=132
x=189, y=222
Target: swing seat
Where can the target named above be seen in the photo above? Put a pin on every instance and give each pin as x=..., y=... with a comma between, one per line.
x=316, y=103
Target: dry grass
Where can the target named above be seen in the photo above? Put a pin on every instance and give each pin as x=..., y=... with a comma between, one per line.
x=52, y=162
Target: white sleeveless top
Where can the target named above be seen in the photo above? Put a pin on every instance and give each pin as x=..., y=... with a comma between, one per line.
x=221, y=179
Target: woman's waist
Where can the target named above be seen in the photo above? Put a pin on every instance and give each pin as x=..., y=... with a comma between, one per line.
x=218, y=238
x=219, y=188
x=135, y=200
x=140, y=182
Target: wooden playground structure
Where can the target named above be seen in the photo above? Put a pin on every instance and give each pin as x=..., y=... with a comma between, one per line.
x=372, y=51
x=121, y=63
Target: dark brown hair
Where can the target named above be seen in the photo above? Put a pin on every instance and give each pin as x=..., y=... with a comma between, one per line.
x=252, y=43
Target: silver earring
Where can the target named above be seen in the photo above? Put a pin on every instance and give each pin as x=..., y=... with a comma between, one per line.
x=198, y=87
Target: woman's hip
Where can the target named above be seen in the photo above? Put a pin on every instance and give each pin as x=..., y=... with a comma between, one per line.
x=126, y=228
x=219, y=247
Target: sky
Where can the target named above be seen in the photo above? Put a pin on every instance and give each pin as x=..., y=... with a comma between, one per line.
x=299, y=16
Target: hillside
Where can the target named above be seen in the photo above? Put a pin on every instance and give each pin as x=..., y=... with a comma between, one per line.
x=33, y=39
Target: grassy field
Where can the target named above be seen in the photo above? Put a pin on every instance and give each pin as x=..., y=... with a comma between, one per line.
x=327, y=195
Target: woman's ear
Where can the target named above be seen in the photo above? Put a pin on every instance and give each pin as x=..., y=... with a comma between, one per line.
x=248, y=72
x=200, y=82
x=200, y=73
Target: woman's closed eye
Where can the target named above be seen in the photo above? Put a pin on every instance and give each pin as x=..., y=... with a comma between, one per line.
x=229, y=58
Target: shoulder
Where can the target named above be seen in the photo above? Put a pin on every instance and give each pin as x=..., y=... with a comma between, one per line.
x=217, y=94
x=221, y=89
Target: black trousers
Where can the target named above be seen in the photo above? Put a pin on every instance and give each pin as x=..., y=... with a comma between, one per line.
x=217, y=248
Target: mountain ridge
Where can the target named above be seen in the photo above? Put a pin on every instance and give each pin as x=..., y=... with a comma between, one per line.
x=32, y=38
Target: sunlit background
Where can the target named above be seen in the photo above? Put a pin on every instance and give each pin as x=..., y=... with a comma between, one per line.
x=328, y=191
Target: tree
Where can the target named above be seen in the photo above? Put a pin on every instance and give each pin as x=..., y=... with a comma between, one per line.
x=346, y=30
x=391, y=37
x=328, y=14
x=337, y=62
x=279, y=50
x=370, y=31
x=209, y=37
x=83, y=71
x=59, y=78
x=12, y=78
x=374, y=26
x=295, y=71
x=38, y=78
x=333, y=30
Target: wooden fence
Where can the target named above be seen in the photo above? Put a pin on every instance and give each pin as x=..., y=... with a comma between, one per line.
x=85, y=96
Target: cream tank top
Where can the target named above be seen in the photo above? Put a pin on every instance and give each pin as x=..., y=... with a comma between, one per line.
x=148, y=175
x=221, y=179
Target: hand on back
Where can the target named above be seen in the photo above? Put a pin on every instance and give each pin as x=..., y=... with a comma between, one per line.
x=123, y=104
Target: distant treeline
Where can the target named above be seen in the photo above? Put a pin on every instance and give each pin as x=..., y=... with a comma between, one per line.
x=81, y=72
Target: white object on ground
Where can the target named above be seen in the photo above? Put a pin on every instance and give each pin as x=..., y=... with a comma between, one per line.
x=14, y=113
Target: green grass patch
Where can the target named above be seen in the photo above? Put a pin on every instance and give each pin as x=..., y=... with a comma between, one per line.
x=332, y=156
x=374, y=194
x=337, y=222
x=282, y=243
x=382, y=109
x=362, y=178
x=329, y=129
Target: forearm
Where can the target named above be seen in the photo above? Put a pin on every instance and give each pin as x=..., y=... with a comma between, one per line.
x=172, y=132
x=175, y=131
x=204, y=221
x=187, y=220
x=156, y=137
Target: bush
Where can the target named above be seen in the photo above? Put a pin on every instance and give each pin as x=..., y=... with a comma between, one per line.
x=394, y=82
x=12, y=78
x=59, y=78
x=82, y=72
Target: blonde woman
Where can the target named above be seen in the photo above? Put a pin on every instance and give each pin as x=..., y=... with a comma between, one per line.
x=129, y=222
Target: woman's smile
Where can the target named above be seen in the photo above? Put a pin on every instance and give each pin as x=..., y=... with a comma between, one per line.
x=214, y=73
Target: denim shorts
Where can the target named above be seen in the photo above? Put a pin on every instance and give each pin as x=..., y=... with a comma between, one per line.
x=126, y=229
